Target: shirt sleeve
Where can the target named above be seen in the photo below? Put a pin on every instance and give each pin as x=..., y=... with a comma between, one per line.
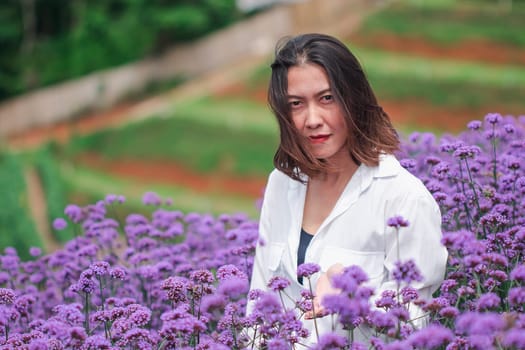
x=420, y=241
x=259, y=278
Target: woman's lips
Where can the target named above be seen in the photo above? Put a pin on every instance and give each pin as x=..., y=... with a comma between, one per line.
x=318, y=138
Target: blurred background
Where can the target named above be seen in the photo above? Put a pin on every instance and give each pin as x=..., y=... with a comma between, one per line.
x=126, y=96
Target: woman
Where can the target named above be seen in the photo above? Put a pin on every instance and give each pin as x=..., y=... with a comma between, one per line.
x=336, y=181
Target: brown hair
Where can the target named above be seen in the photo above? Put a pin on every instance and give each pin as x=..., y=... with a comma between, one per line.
x=370, y=131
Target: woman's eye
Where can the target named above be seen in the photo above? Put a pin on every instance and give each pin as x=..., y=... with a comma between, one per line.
x=327, y=98
x=295, y=103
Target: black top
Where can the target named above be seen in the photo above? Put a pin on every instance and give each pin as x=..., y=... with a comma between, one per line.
x=304, y=241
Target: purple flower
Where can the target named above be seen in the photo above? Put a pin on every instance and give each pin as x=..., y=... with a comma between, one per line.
x=449, y=312
x=118, y=273
x=7, y=296
x=493, y=118
x=35, y=251
x=74, y=212
x=175, y=288
x=518, y=273
x=381, y=320
x=268, y=304
x=111, y=198
x=436, y=304
x=387, y=299
x=277, y=283
x=351, y=311
x=448, y=285
x=409, y=294
x=96, y=342
x=406, y=272
x=59, y=224
x=397, y=221
x=278, y=344
x=100, y=268
x=474, y=125
x=431, y=337
x=517, y=297
x=409, y=164
x=202, y=276
x=331, y=341
x=151, y=198
x=84, y=284
x=475, y=323
x=233, y=287
x=350, y=279
x=514, y=339
x=488, y=301
x=307, y=269
x=140, y=316
x=230, y=271
x=464, y=152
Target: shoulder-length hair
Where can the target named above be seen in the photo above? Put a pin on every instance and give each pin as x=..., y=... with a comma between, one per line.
x=370, y=131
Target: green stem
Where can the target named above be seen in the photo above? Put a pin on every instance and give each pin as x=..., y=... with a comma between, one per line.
x=469, y=217
x=494, y=159
x=476, y=197
x=86, y=312
x=103, y=302
x=313, y=310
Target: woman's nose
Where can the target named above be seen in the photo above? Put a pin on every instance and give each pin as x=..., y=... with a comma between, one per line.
x=314, y=117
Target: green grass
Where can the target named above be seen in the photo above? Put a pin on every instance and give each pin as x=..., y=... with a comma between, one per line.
x=17, y=228
x=442, y=81
x=448, y=23
x=97, y=185
x=205, y=135
x=234, y=113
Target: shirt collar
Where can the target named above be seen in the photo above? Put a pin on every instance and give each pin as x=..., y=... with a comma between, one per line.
x=388, y=166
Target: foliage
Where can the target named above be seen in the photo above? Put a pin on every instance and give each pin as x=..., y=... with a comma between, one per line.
x=46, y=42
x=180, y=281
x=449, y=25
x=17, y=228
x=53, y=186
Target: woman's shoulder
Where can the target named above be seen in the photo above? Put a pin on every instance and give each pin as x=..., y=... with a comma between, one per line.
x=398, y=180
x=278, y=178
x=279, y=184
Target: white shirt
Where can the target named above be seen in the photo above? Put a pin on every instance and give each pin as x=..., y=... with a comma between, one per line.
x=354, y=233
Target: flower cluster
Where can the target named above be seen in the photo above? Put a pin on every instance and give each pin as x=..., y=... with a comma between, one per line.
x=174, y=280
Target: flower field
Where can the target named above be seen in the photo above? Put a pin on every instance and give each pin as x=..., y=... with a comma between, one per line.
x=174, y=280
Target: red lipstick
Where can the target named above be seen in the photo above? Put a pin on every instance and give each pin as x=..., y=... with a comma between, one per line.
x=318, y=138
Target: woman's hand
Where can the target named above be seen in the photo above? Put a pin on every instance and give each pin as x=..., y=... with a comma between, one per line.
x=323, y=287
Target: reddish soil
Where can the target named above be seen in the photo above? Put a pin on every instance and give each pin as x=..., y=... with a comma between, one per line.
x=172, y=173
x=471, y=50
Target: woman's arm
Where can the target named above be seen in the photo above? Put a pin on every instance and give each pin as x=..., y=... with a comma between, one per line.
x=420, y=242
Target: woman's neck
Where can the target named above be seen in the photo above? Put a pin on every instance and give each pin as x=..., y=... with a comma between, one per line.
x=341, y=174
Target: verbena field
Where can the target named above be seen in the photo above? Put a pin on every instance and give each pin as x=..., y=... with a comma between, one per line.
x=175, y=280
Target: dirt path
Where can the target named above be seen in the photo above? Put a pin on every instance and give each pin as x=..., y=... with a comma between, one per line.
x=38, y=208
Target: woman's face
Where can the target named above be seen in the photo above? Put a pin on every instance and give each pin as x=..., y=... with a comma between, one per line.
x=315, y=112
